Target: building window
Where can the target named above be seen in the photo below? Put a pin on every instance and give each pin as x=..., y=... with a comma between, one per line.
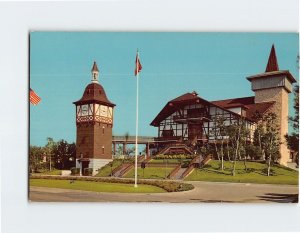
x=103, y=129
x=103, y=150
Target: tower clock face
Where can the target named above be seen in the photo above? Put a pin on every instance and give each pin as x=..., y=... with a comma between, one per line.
x=103, y=110
x=84, y=110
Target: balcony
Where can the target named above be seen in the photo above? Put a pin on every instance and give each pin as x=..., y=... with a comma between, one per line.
x=196, y=117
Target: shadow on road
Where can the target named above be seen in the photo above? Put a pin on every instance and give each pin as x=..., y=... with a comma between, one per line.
x=280, y=198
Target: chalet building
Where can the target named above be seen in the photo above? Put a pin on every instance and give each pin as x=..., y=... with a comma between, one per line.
x=94, y=122
x=186, y=121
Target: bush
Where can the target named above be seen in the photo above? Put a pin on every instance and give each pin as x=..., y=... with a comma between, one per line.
x=181, y=156
x=185, y=164
x=265, y=171
x=75, y=171
x=88, y=171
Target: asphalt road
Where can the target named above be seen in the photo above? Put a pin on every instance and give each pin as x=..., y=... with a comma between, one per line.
x=208, y=192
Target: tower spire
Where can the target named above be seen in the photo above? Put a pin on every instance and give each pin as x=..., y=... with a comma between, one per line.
x=95, y=73
x=272, y=62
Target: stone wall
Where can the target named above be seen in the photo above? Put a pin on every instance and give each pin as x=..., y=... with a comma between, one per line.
x=280, y=108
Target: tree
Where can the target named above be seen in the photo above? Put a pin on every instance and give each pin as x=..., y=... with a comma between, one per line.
x=237, y=133
x=36, y=154
x=293, y=139
x=49, y=148
x=218, y=131
x=271, y=139
x=258, y=133
x=64, y=155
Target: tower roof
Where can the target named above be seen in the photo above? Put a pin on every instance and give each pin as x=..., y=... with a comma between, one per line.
x=272, y=69
x=272, y=62
x=94, y=93
x=95, y=67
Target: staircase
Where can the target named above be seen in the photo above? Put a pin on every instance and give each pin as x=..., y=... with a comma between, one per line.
x=180, y=173
x=122, y=169
x=178, y=148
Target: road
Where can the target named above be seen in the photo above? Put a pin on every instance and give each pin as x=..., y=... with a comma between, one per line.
x=208, y=192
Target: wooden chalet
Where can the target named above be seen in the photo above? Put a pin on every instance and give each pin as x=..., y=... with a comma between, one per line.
x=186, y=122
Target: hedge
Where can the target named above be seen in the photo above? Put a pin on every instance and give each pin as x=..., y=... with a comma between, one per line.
x=169, y=186
x=181, y=156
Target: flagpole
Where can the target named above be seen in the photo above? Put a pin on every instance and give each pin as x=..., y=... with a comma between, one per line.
x=137, y=120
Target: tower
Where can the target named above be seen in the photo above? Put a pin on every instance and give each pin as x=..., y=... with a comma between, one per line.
x=275, y=85
x=94, y=122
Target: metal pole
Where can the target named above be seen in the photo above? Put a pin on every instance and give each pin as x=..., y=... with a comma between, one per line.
x=137, y=119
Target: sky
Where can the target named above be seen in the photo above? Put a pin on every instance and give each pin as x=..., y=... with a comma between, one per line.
x=215, y=65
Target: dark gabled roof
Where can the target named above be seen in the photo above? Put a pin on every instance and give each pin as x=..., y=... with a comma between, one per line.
x=248, y=103
x=188, y=98
x=237, y=102
x=95, y=93
x=272, y=61
x=260, y=108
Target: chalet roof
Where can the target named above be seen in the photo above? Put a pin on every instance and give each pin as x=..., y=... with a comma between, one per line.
x=247, y=103
x=260, y=108
x=237, y=102
x=272, y=61
x=185, y=99
x=94, y=93
x=189, y=98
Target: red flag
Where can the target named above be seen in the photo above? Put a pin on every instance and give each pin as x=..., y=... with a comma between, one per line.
x=34, y=98
x=138, y=66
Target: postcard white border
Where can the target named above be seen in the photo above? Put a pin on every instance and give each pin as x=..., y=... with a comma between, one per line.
x=17, y=19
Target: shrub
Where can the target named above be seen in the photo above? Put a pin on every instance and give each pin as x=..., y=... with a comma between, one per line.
x=265, y=171
x=185, y=164
x=75, y=171
x=180, y=156
x=169, y=186
x=88, y=171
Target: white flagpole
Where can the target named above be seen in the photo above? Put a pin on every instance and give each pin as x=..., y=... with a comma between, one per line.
x=137, y=119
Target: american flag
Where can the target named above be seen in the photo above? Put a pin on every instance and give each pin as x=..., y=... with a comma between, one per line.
x=34, y=98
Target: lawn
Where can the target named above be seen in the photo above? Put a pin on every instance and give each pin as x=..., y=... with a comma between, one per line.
x=150, y=173
x=254, y=174
x=106, y=170
x=96, y=186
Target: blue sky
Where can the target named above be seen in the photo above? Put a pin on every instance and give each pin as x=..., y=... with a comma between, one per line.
x=213, y=64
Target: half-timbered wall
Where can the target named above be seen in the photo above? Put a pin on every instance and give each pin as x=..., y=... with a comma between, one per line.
x=94, y=112
x=176, y=125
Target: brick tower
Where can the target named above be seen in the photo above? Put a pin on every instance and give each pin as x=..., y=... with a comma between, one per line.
x=275, y=85
x=94, y=122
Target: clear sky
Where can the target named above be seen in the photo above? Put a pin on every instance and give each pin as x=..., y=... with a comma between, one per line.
x=213, y=64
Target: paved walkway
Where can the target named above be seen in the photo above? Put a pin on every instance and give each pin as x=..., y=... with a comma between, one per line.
x=204, y=192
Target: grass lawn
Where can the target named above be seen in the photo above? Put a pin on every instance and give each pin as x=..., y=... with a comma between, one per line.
x=106, y=170
x=150, y=173
x=96, y=186
x=254, y=174
x=53, y=172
